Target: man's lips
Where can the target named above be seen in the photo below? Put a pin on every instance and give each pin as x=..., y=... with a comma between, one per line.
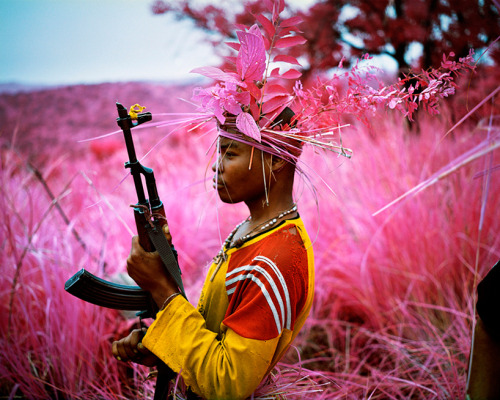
x=216, y=184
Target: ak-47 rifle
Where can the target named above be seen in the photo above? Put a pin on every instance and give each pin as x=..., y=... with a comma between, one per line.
x=149, y=219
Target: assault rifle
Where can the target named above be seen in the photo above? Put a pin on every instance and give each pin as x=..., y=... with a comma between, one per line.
x=149, y=219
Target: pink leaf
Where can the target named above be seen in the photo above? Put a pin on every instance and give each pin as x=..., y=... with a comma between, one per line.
x=241, y=27
x=269, y=5
x=246, y=124
x=290, y=41
x=281, y=5
x=254, y=29
x=286, y=58
x=275, y=88
x=291, y=74
x=275, y=73
x=253, y=89
x=255, y=110
x=393, y=103
x=230, y=60
x=268, y=96
x=251, y=60
x=217, y=74
x=275, y=103
x=234, y=45
x=267, y=25
x=287, y=31
x=275, y=11
x=291, y=22
x=267, y=43
x=242, y=98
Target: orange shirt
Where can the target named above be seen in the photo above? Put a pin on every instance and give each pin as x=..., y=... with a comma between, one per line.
x=250, y=310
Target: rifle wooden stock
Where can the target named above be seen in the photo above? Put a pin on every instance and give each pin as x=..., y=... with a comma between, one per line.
x=92, y=289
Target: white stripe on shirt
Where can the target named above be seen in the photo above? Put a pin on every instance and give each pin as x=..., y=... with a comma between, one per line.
x=268, y=278
x=271, y=283
x=283, y=285
x=264, y=292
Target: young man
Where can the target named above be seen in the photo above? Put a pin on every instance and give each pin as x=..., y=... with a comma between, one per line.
x=257, y=293
x=259, y=288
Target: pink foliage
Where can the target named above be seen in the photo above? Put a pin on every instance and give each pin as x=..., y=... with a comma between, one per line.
x=324, y=107
x=394, y=304
x=251, y=60
x=255, y=51
x=359, y=93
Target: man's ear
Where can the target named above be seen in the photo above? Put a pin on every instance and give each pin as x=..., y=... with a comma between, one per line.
x=277, y=164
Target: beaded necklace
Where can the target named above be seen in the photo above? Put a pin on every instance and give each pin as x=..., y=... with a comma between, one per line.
x=222, y=256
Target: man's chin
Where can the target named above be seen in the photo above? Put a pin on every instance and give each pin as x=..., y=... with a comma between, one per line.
x=225, y=197
x=226, y=200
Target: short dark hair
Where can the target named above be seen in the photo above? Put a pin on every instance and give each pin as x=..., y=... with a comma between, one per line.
x=286, y=117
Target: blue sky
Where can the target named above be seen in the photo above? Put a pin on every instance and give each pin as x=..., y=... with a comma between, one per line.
x=65, y=42
x=54, y=42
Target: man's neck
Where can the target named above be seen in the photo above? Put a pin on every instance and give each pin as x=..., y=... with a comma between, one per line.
x=264, y=217
x=260, y=213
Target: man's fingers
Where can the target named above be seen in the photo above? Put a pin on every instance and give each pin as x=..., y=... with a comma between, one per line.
x=114, y=351
x=135, y=242
x=166, y=232
x=136, y=342
x=143, y=350
x=127, y=349
x=119, y=351
x=132, y=349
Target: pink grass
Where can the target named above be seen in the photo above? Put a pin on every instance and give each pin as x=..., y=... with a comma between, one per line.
x=393, y=311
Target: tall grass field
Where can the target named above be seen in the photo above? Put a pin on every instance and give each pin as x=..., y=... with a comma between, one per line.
x=394, y=307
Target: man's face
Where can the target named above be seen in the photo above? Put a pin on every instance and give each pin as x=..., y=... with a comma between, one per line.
x=239, y=172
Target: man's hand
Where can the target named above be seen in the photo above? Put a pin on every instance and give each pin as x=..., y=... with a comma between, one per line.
x=130, y=348
x=148, y=271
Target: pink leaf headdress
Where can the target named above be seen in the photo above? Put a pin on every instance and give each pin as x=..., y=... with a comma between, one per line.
x=262, y=81
x=247, y=98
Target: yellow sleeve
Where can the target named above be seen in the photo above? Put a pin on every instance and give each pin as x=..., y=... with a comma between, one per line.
x=225, y=367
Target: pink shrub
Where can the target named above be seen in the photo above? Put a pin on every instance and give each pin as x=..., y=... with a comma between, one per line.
x=394, y=305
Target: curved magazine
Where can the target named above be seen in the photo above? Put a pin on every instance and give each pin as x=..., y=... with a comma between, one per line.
x=92, y=289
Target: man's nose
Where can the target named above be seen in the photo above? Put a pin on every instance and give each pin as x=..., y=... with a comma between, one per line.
x=217, y=165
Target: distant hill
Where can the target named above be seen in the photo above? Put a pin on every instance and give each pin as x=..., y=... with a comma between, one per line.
x=34, y=118
x=12, y=88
